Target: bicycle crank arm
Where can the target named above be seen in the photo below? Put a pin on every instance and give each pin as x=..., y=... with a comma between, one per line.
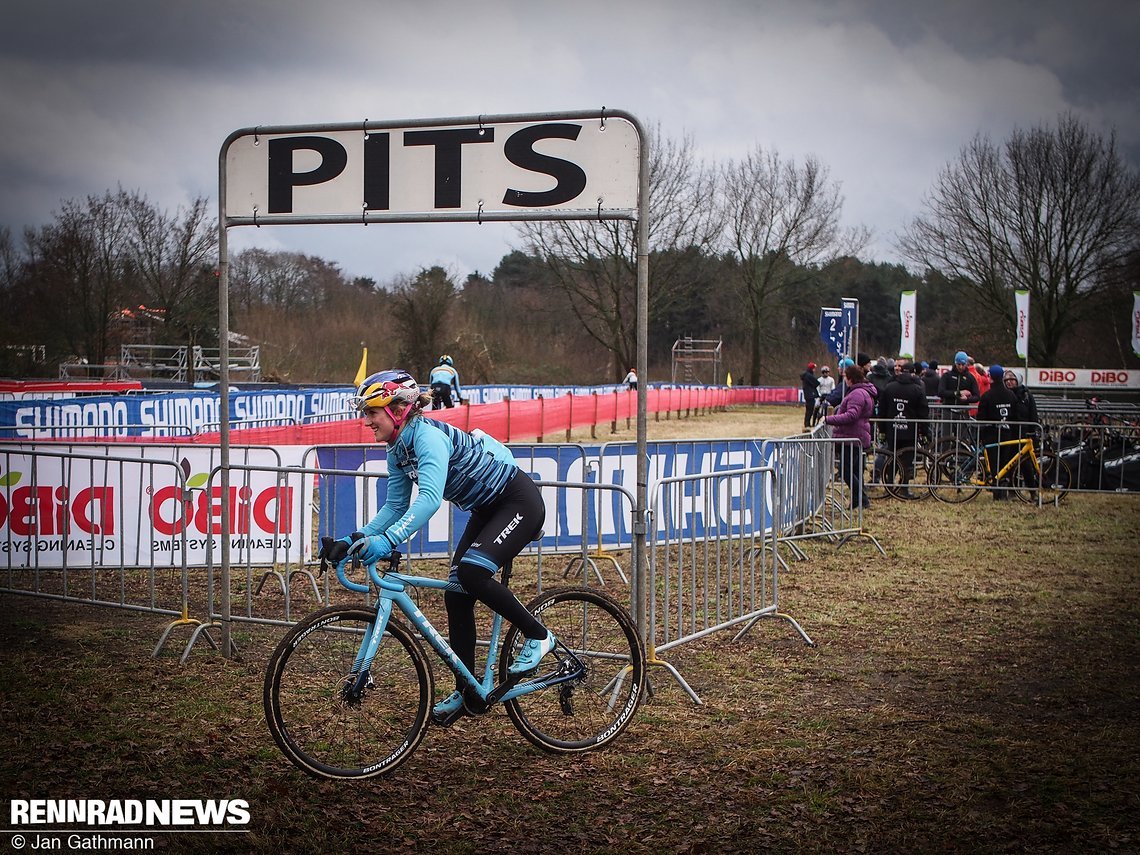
x=499, y=691
x=565, y=672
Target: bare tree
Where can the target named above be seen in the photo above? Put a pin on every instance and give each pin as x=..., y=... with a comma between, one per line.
x=1055, y=212
x=782, y=223
x=309, y=319
x=82, y=273
x=424, y=306
x=175, y=256
x=595, y=263
x=9, y=261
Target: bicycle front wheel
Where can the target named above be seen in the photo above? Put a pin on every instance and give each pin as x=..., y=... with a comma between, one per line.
x=314, y=717
x=955, y=477
x=908, y=474
x=593, y=708
x=874, y=483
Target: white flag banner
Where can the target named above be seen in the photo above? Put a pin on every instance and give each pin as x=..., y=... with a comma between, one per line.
x=906, y=317
x=1136, y=322
x=1021, y=298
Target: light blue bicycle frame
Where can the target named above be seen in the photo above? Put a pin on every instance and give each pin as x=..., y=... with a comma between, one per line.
x=392, y=590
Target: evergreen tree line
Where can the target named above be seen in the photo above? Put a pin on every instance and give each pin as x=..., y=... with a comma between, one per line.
x=745, y=253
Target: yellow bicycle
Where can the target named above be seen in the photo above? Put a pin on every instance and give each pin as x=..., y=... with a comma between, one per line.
x=961, y=473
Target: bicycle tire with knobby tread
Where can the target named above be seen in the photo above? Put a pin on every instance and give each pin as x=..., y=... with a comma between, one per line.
x=312, y=723
x=590, y=712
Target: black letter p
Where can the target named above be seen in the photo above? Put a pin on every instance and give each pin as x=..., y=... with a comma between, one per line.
x=282, y=178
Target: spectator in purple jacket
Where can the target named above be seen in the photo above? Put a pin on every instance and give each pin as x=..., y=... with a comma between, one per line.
x=852, y=420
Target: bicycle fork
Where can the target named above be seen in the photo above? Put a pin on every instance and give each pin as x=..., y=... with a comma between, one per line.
x=360, y=678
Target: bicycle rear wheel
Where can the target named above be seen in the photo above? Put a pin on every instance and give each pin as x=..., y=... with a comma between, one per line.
x=592, y=709
x=315, y=722
x=1056, y=479
x=955, y=477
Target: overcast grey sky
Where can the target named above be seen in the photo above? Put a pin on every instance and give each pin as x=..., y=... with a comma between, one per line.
x=142, y=94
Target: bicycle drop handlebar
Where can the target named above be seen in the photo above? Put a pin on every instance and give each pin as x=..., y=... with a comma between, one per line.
x=373, y=573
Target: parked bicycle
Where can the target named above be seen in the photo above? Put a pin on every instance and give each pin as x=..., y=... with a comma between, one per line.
x=349, y=690
x=960, y=474
x=902, y=473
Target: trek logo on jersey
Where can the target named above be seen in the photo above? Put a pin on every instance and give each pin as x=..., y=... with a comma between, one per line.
x=511, y=526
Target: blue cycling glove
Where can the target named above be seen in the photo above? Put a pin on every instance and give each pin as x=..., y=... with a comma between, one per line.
x=372, y=549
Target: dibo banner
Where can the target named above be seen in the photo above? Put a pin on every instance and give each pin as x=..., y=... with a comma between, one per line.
x=82, y=511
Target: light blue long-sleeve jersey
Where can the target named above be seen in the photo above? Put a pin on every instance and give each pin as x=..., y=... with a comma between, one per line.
x=446, y=374
x=444, y=462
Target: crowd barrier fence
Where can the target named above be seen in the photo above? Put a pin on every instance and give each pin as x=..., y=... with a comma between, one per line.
x=283, y=498
x=713, y=560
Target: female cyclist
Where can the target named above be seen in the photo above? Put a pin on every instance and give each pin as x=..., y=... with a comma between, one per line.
x=471, y=470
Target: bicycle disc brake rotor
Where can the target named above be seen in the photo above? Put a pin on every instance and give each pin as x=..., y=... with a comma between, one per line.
x=350, y=695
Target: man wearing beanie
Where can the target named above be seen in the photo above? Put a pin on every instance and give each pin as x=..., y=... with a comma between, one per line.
x=995, y=412
x=958, y=385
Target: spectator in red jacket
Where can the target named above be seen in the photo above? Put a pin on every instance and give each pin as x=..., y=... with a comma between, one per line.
x=981, y=376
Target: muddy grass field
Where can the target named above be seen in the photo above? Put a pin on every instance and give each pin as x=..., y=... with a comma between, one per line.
x=977, y=690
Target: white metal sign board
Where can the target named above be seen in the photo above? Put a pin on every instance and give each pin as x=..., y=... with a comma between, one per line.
x=449, y=170
x=1101, y=379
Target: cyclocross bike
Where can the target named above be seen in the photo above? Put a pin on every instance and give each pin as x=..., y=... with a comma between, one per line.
x=349, y=690
x=960, y=474
x=901, y=473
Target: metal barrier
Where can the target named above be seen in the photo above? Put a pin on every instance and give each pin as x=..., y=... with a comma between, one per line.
x=99, y=433
x=1102, y=458
x=245, y=424
x=237, y=600
x=57, y=505
x=713, y=561
x=813, y=502
x=568, y=530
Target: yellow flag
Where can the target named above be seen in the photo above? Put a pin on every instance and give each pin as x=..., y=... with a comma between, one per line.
x=362, y=371
x=728, y=379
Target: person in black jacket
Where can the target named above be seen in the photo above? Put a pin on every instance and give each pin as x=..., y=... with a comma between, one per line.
x=882, y=373
x=903, y=416
x=1024, y=408
x=903, y=410
x=810, y=384
x=930, y=378
x=958, y=385
x=995, y=412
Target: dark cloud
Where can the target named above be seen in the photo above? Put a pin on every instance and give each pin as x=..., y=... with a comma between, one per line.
x=198, y=35
x=885, y=92
x=1090, y=46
